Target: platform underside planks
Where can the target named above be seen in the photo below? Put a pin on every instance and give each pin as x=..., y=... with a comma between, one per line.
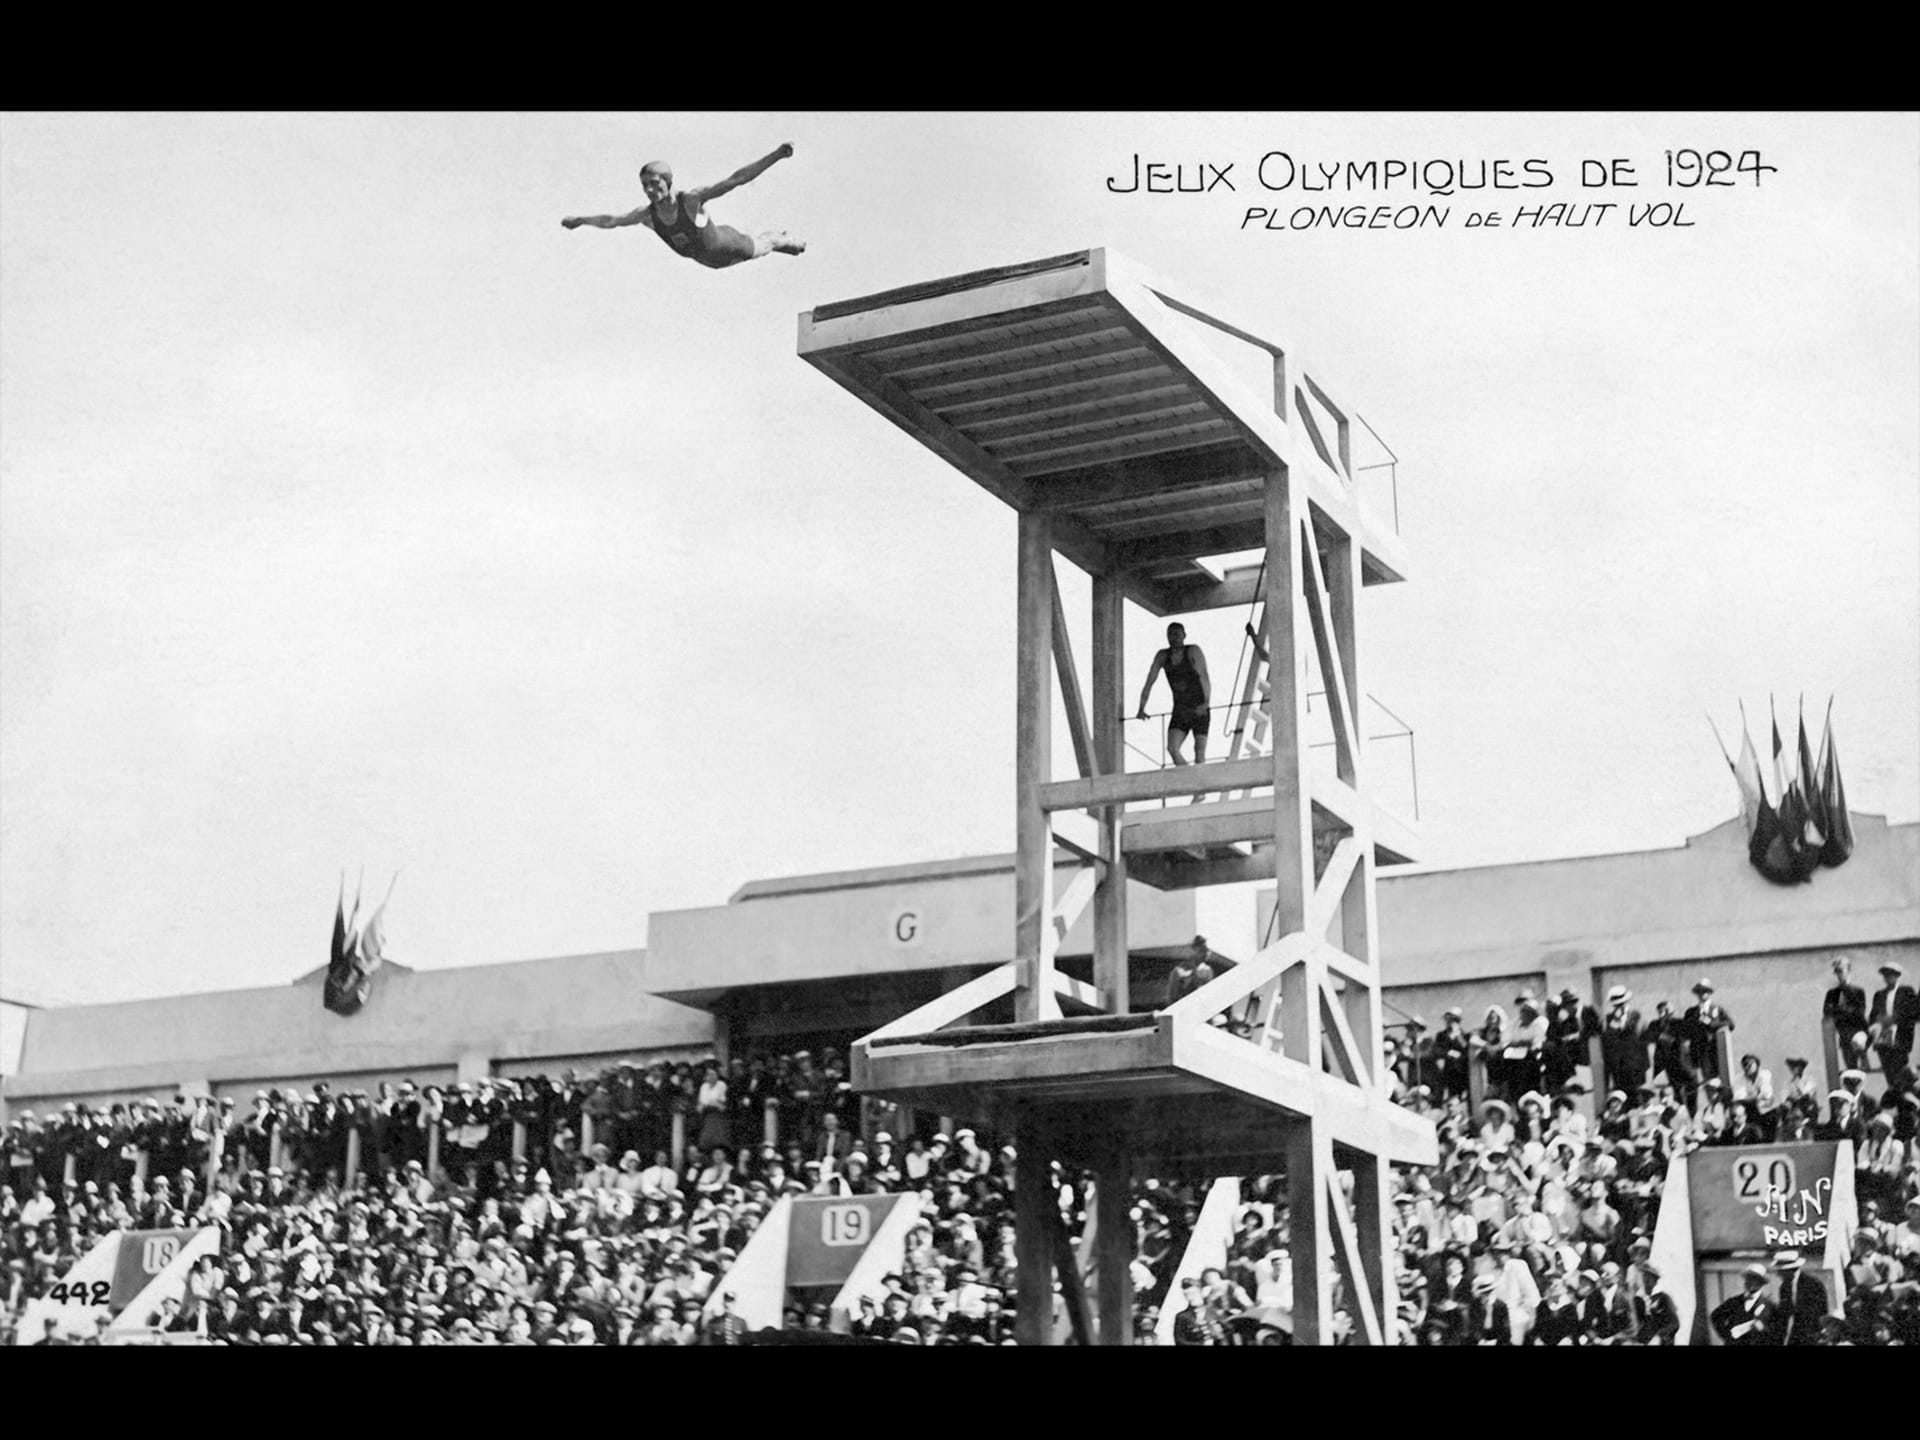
x=1073, y=387
x=1191, y=1099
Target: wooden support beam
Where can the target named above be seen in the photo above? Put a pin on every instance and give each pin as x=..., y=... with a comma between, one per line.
x=1346, y=727
x=1155, y=784
x=1188, y=597
x=1150, y=477
x=1069, y=674
x=930, y=360
x=1113, y=1240
x=1330, y=890
x=1146, y=831
x=1361, y=1308
x=1286, y=706
x=1033, y=765
x=1073, y=1288
x=1109, y=755
x=1373, y=1224
x=1032, y=1240
x=1285, y=955
x=1071, y=538
x=1345, y=1046
x=1309, y=1167
x=1143, y=374
x=956, y=1004
x=1189, y=544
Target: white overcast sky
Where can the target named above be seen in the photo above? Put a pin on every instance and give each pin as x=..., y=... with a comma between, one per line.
x=354, y=513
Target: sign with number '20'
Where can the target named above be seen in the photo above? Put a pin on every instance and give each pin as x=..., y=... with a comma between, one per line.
x=1761, y=1197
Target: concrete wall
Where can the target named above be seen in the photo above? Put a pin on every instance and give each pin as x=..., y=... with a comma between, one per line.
x=418, y=1023
x=928, y=917
x=1657, y=921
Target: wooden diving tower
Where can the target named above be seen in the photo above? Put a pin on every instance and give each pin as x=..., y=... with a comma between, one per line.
x=1079, y=391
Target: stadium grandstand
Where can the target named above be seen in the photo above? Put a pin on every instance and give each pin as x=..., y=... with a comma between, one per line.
x=580, y=1150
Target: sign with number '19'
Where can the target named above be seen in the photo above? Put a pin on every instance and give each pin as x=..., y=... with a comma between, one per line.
x=1762, y=1197
x=830, y=1234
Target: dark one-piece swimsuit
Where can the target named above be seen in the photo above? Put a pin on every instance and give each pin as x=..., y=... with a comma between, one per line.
x=714, y=246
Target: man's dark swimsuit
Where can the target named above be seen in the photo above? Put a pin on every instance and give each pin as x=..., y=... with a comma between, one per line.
x=1189, y=699
x=714, y=246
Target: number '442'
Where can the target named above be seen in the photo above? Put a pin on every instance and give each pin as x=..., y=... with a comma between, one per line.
x=81, y=1292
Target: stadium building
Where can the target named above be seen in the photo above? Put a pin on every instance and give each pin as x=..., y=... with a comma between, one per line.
x=823, y=959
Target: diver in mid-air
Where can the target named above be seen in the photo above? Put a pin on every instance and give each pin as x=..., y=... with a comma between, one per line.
x=680, y=217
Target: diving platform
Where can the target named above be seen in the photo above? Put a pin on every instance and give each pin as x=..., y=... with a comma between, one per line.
x=1078, y=388
x=1119, y=423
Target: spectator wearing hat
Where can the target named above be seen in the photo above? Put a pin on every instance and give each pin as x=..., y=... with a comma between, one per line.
x=1525, y=1049
x=1802, y=1302
x=1659, y=1320
x=1672, y=1056
x=1799, y=1108
x=1514, y=1286
x=1754, y=1086
x=1881, y=1163
x=1845, y=1004
x=1488, y=1321
x=1703, y=1022
x=1570, y=1022
x=1892, y=1016
x=1558, y=1320
x=1623, y=1050
x=1448, y=1056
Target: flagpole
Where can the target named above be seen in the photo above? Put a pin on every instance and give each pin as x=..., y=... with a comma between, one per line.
x=1721, y=743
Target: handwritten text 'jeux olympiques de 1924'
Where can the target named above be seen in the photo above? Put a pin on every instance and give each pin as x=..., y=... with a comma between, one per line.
x=1401, y=194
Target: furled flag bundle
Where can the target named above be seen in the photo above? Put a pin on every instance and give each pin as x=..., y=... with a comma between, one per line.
x=356, y=953
x=1805, y=825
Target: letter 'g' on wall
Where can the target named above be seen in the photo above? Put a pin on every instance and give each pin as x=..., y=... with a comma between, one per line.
x=903, y=930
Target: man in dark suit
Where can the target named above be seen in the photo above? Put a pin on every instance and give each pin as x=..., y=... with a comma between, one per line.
x=1607, y=1314
x=1448, y=1057
x=1802, y=1310
x=1846, y=1006
x=1891, y=1020
x=1667, y=1033
x=1488, y=1321
x=1703, y=1022
x=1659, y=1321
x=1746, y=1319
x=1623, y=1049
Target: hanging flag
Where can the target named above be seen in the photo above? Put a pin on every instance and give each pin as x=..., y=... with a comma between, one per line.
x=1749, y=798
x=1809, y=780
x=1672, y=1253
x=343, y=992
x=1779, y=765
x=1770, y=848
x=373, y=940
x=1833, y=797
x=1748, y=773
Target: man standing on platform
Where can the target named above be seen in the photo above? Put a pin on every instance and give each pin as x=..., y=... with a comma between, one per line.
x=1187, y=678
x=1448, y=1056
x=1667, y=1034
x=1704, y=1021
x=1623, y=1050
x=1846, y=1006
x=1891, y=1020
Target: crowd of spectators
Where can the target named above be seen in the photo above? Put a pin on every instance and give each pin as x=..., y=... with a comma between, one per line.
x=473, y=1213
